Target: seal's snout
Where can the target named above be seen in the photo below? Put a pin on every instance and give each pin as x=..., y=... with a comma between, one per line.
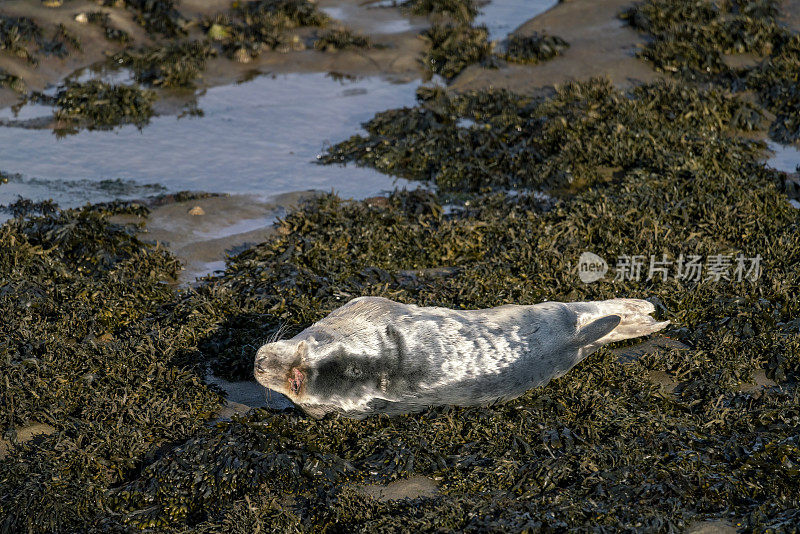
x=277, y=366
x=261, y=364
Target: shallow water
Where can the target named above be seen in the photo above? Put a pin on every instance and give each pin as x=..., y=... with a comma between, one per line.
x=502, y=17
x=259, y=138
x=367, y=19
x=785, y=158
x=250, y=393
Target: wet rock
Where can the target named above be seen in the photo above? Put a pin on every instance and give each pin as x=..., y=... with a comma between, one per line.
x=24, y=435
x=411, y=488
x=534, y=48
x=172, y=65
x=341, y=39
x=99, y=105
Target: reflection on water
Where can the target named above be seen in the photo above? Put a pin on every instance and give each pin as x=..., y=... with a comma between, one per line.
x=26, y=112
x=785, y=158
x=259, y=138
x=68, y=193
x=367, y=20
x=502, y=17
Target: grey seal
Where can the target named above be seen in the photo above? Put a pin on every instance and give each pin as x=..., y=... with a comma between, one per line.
x=374, y=355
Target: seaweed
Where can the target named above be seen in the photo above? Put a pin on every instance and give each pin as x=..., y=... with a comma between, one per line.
x=460, y=11
x=690, y=39
x=16, y=33
x=173, y=65
x=114, y=353
x=489, y=139
x=103, y=20
x=99, y=105
x=452, y=42
x=341, y=39
x=452, y=48
x=80, y=354
x=157, y=17
x=777, y=82
x=252, y=27
x=58, y=45
x=11, y=81
x=534, y=48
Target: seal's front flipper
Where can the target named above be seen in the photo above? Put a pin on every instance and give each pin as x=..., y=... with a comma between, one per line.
x=596, y=330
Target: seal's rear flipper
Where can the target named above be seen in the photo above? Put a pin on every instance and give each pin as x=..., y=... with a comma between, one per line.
x=634, y=320
x=596, y=330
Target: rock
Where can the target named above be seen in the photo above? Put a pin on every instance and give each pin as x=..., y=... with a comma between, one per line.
x=26, y=434
x=242, y=56
x=218, y=32
x=411, y=488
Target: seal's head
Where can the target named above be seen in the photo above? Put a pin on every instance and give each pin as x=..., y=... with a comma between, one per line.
x=280, y=366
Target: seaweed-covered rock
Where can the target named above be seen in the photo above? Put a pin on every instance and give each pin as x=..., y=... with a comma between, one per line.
x=534, y=48
x=11, y=81
x=252, y=27
x=341, y=39
x=173, y=65
x=691, y=38
x=99, y=105
x=777, y=81
x=82, y=352
x=16, y=34
x=490, y=139
x=453, y=47
x=158, y=17
x=460, y=11
x=102, y=19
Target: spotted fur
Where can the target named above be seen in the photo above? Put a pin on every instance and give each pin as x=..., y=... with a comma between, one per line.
x=374, y=355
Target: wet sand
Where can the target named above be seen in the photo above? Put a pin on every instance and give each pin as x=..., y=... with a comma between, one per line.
x=203, y=233
x=94, y=44
x=397, y=58
x=25, y=434
x=600, y=45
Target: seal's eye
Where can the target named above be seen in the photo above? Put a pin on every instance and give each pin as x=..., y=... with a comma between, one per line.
x=353, y=371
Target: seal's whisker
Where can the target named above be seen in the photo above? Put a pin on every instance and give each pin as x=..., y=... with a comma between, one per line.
x=278, y=333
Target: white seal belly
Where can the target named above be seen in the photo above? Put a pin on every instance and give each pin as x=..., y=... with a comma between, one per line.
x=374, y=355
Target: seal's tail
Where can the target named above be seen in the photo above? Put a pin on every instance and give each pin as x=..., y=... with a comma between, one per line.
x=607, y=321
